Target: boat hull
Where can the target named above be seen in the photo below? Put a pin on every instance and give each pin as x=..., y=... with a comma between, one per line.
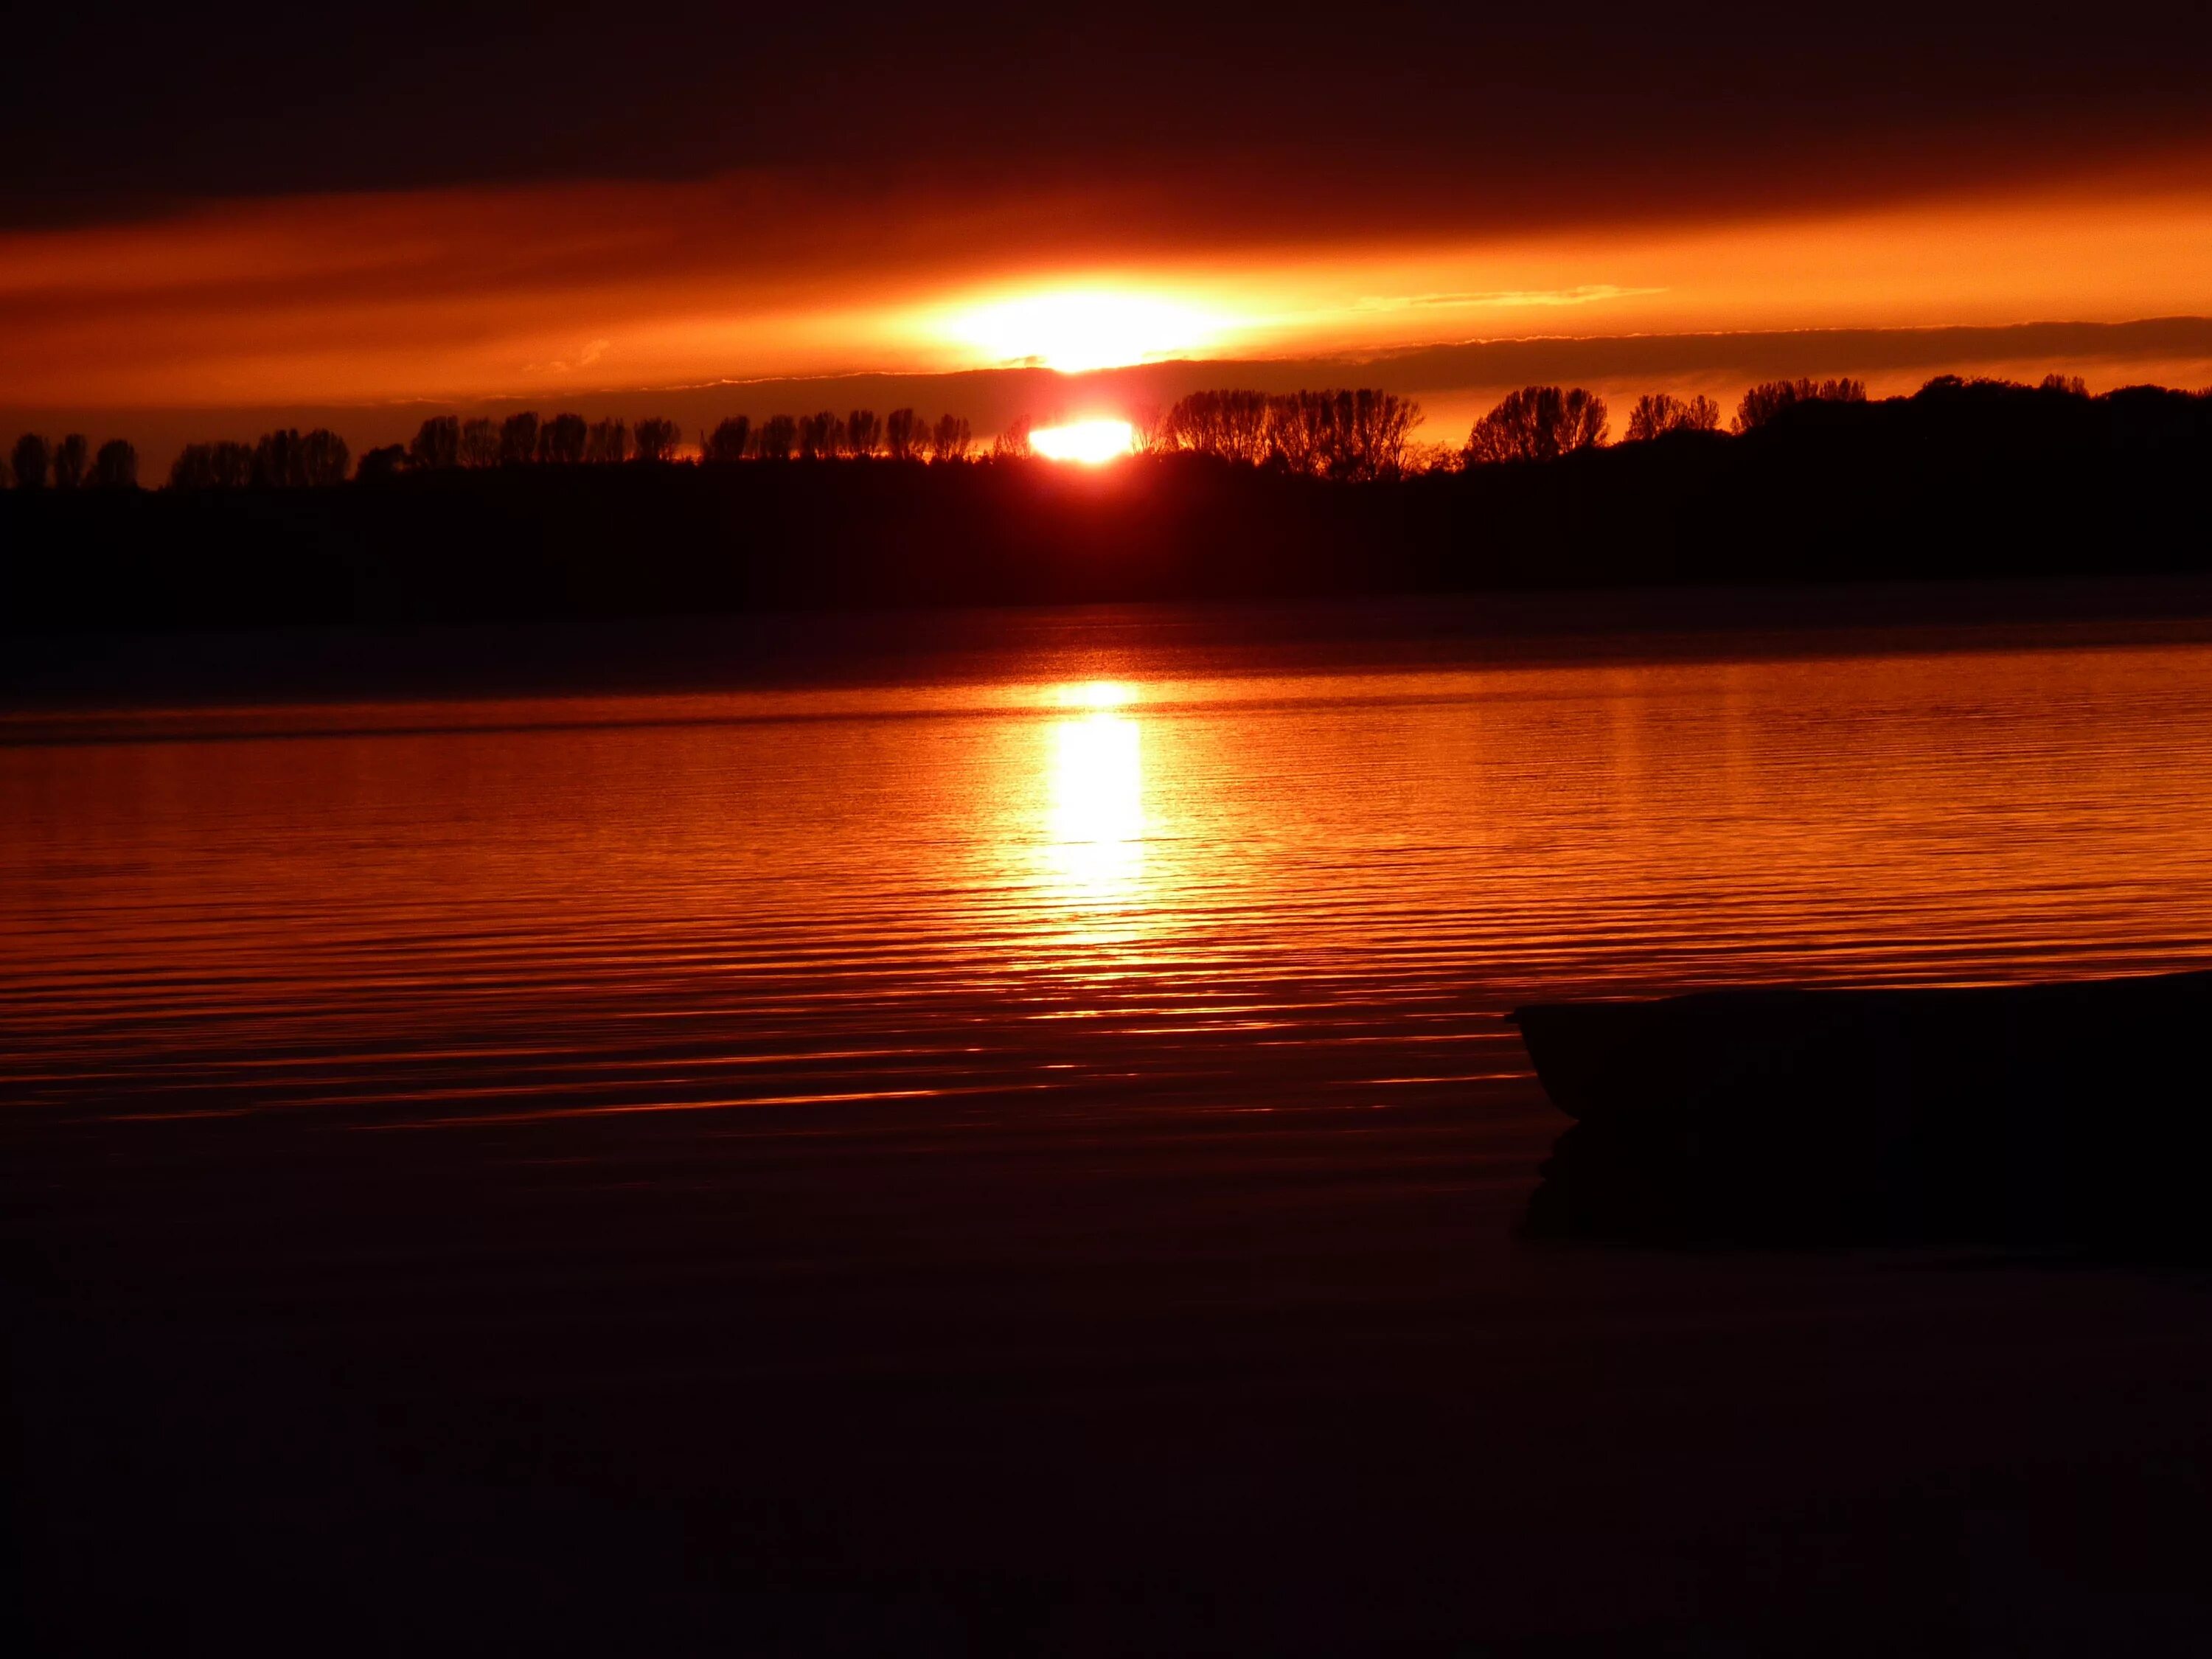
x=2069, y=1116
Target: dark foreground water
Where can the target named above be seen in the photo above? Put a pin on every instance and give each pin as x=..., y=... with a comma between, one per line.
x=1004, y=1135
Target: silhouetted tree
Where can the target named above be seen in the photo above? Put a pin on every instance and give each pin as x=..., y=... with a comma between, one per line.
x=1659, y=412
x=323, y=455
x=819, y=436
x=479, y=443
x=32, y=461
x=728, y=442
x=1768, y=399
x=1538, y=423
x=437, y=445
x=233, y=463
x=777, y=437
x=949, y=440
x=864, y=433
x=72, y=459
x=657, y=441
x=7, y=474
x=279, y=462
x=2069, y=385
x=193, y=469
x=1229, y=424
x=386, y=461
x=561, y=440
x=1299, y=435
x=116, y=465
x=1375, y=433
x=904, y=437
x=608, y=442
x=1012, y=444
x=517, y=439
x=1352, y=435
x=223, y=465
x=1148, y=431
x=286, y=460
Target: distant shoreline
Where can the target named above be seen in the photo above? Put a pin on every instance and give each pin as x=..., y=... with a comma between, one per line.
x=1961, y=487
x=68, y=675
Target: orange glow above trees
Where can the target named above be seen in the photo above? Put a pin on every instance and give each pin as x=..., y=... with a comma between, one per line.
x=551, y=292
x=1075, y=330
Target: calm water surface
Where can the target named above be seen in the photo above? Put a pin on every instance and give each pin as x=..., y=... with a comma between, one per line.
x=1100, y=864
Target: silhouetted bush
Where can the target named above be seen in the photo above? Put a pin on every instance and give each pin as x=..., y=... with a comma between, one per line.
x=561, y=440
x=388, y=461
x=437, y=445
x=1658, y=413
x=949, y=440
x=727, y=443
x=777, y=437
x=864, y=433
x=72, y=459
x=479, y=443
x=904, y=436
x=116, y=465
x=34, y=461
x=1763, y=402
x=1538, y=423
x=517, y=439
x=657, y=441
x=2156, y=418
x=607, y=444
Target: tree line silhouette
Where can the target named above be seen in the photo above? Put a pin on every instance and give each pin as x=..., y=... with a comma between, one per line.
x=1240, y=496
x=71, y=464
x=444, y=442
x=1355, y=435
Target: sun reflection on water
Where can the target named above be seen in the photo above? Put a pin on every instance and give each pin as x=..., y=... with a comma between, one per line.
x=1095, y=821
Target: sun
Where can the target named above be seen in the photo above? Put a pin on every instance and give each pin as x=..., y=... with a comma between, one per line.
x=1091, y=442
x=1077, y=330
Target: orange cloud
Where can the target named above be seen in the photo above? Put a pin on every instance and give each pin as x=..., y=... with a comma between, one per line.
x=555, y=291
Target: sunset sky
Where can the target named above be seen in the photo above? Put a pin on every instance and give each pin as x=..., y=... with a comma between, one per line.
x=356, y=217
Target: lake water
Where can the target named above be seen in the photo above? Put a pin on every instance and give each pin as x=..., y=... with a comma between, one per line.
x=1120, y=857
x=1000, y=1134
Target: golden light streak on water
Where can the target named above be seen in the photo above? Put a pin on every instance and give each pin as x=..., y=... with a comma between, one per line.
x=1223, y=878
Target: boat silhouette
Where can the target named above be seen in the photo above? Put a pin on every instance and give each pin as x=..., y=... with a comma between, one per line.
x=2069, y=1116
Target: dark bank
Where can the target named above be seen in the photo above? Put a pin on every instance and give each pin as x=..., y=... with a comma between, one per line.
x=1961, y=481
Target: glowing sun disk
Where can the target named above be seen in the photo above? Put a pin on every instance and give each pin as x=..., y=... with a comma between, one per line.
x=1088, y=441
